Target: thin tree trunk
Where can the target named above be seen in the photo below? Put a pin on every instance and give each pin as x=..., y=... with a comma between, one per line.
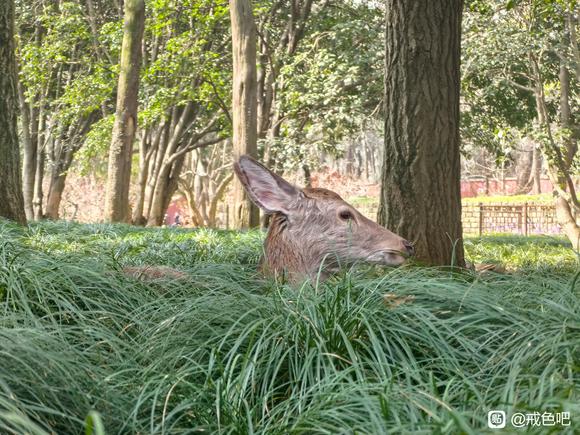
x=57, y=184
x=571, y=145
x=30, y=152
x=157, y=209
x=564, y=214
x=244, y=105
x=524, y=167
x=536, y=172
x=37, y=202
x=420, y=192
x=165, y=188
x=11, y=201
x=559, y=163
x=120, y=155
x=566, y=220
x=219, y=194
x=144, y=158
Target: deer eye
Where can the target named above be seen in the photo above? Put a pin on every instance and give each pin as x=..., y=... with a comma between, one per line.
x=345, y=215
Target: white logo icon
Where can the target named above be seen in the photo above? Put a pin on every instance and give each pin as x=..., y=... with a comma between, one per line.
x=496, y=419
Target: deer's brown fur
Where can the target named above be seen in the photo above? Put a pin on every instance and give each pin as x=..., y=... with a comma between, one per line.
x=313, y=231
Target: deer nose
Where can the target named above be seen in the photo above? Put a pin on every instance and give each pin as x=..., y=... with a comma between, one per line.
x=409, y=247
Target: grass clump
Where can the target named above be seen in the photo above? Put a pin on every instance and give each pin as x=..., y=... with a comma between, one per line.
x=226, y=351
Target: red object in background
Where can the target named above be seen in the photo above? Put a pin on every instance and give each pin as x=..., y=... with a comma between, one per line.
x=176, y=207
x=172, y=210
x=472, y=188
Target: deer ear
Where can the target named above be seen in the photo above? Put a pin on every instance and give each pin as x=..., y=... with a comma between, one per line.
x=267, y=190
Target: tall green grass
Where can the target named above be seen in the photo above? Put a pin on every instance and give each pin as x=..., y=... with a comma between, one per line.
x=83, y=346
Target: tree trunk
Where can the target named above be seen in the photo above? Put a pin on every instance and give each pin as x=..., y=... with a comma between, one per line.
x=11, y=201
x=30, y=152
x=523, y=171
x=566, y=220
x=165, y=187
x=38, y=181
x=536, y=172
x=120, y=154
x=420, y=192
x=244, y=104
x=144, y=159
x=564, y=214
x=57, y=183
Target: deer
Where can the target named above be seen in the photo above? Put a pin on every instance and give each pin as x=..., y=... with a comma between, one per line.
x=313, y=232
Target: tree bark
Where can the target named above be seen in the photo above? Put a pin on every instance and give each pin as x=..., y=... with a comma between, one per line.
x=120, y=154
x=11, y=201
x=536, y=172
x=566, y=220
x=57, y=184
x=523, y=167
x=165, y=188
x=30, y=152
x=564, y=214
x=38, y=181
x=420, y=192
x=244, y=104
x=144, y=159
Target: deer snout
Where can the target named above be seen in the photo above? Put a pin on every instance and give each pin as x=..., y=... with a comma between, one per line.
x=408, y=248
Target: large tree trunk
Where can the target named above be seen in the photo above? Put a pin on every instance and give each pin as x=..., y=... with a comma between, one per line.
x=120, y=154
x=11, y=202
x=420, y=193
x=244, y=105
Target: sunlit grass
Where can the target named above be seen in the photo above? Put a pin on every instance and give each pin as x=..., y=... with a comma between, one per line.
x=520, y=254
x=228, y=351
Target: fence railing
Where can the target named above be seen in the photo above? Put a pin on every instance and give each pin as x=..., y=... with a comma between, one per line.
x=525, y=218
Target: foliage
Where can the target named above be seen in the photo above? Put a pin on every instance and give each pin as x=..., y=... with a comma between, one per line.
x=226, y=351
x=188, y=58
x=333, y=84
x=60, y=66
x=324, y=86
x=507, y=64
x=493, y=108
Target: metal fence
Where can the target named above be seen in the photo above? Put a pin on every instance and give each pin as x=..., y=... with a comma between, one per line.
x=527, y=218
x=524, y=218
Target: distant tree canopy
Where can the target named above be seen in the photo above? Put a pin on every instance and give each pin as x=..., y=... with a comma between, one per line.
x=316, y=60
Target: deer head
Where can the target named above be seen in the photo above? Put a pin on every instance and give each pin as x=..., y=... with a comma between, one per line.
x=314, y=230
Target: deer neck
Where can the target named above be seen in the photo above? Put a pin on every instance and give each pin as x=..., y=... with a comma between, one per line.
x=286, y=257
